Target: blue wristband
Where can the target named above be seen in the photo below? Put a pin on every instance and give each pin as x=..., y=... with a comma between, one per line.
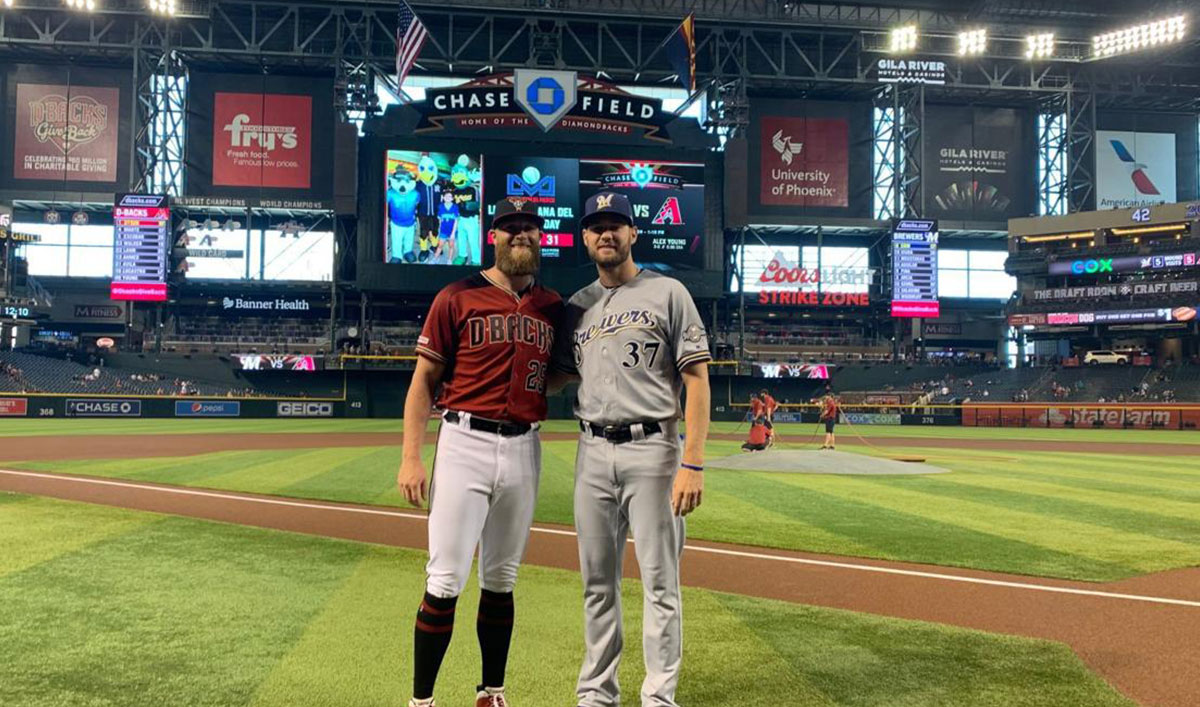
x=692, y=467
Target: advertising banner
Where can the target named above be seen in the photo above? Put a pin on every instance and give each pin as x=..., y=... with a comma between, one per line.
x=979, y=163
x=871, y=418
x=808, y=158
x=1134, y=169
x=783, y=282
x=13, y=407
x=303, y=409
x=1121, y=291
x=66, y=128
x=103, y=407
x=258, y=306
x=1128, y=263
x=251, y=138
x=208, y=408
x=276, y=362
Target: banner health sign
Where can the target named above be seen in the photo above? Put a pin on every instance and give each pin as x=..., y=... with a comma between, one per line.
x=251, y=138
x=979, y=163
x=808, y=158
x=66, y=128
x=207, y=408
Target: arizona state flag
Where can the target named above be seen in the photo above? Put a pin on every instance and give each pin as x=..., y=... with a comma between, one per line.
x=681, y=52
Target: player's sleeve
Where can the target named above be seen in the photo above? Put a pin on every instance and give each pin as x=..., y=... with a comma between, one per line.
x=688, y=335
x=562, y=358
x=438, y=341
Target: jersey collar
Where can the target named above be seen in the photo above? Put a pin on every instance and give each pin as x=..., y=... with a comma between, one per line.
x=517, y=295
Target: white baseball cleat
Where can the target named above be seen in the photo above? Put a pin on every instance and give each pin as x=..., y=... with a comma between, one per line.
x=414, y=702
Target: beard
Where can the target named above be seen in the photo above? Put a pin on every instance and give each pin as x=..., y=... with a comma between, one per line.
x=517, y=262
x=611, y=258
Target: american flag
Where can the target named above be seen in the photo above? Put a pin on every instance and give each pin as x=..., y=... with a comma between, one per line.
x=410, y=37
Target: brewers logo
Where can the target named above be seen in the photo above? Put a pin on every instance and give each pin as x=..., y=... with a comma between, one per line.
x=604, y=201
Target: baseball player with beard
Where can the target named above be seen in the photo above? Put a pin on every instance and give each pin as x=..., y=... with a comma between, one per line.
x=487, y=341
x=635, y=340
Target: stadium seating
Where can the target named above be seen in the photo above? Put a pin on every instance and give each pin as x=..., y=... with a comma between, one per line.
x=247, y=335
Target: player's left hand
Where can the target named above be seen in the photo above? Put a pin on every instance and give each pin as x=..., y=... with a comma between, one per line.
x=689, y=487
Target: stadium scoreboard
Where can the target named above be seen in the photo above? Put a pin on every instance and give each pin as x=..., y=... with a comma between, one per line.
x=914, y=268
x=142, y=229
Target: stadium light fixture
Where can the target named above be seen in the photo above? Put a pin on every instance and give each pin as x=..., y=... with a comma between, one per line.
x=972, y=42
x=8, y=3
x=903, y=39
x=1039, y=46
x=163, y=7
x=1138, y=37
x=83, y=5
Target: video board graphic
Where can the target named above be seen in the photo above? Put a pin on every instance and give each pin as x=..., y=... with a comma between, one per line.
x=668, y=207
x=915, y=268
x=432, y=208
x=552, y=183
x=141, y=226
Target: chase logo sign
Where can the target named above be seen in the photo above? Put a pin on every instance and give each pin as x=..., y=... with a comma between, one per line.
x=104, y=408
x=546, y=96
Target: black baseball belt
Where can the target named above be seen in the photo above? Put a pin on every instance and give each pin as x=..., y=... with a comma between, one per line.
x=619, y=433
x=504, y=428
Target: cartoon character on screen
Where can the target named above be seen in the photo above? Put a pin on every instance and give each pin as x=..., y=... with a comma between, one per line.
x=448, y=226
x=427, y=185
x=402, y=200
x=466, y=198
x=429, y=244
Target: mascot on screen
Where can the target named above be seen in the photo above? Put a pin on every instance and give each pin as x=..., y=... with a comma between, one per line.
x=402, y=201
x=465, y=181
x=427, y=186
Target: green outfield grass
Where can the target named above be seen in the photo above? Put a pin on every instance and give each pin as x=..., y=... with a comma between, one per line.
x=1080, y=516
x=102, y=606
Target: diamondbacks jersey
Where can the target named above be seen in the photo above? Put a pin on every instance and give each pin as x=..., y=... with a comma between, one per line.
x=496, y=346
x=629, y=344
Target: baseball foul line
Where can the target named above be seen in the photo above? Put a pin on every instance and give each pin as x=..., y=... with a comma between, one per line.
x=693, y=548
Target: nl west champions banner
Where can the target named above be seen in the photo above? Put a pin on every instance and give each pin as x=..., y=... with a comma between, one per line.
x=260, y=137
x=66, y=125
x=1134, y=169
x=978, y=163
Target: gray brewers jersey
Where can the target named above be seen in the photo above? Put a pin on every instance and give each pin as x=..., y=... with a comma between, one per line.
x=628, y=345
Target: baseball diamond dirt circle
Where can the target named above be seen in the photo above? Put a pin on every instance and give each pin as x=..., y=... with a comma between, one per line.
x=1138, y=633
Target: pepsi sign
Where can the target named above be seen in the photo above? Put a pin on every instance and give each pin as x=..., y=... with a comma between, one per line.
x=208, y=408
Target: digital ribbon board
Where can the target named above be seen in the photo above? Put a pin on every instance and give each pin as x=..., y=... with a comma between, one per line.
x=915, y=268
x=142, y=225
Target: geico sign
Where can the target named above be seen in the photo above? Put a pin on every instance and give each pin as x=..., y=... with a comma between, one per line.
x=303, y=409
x=1080, y=267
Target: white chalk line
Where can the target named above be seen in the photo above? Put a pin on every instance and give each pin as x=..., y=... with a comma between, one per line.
x=693, y=548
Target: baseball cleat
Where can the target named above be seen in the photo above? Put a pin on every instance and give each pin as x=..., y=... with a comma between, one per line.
x=414, y=702
x=491, y=697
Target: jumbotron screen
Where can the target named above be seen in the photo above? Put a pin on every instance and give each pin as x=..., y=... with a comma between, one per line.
x=438, y=205
x=668, y=207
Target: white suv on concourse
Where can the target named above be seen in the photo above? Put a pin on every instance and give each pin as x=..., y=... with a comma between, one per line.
x=1094, y=357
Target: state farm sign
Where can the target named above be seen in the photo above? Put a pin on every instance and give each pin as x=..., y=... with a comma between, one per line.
x=784, y=282
x=262, y=140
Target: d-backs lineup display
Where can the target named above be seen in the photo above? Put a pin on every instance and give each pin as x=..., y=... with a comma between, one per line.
x=491, y=347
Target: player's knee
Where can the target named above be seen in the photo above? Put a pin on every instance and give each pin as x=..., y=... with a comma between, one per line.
x=500, y=579
x=445, y=586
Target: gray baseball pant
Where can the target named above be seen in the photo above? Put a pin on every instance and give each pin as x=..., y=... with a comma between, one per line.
x=621, y=488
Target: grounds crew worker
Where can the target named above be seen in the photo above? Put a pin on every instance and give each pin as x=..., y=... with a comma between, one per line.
x=635, y=339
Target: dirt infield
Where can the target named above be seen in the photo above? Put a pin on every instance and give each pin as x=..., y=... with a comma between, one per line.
x=1140, y=634
x=48, y=448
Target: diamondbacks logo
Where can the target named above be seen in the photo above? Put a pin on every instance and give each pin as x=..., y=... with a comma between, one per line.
x=669, y=213
x=614, y=323
x=785, y=147
x=1137, y=170
x=517, y=203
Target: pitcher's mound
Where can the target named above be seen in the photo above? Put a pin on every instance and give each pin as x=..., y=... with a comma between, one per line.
x=811, y=461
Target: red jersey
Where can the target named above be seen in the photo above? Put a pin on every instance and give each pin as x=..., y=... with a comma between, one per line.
x=829, y=409
x=758, y=434
x=756, y=407
x=496, y=346
x=770, y=404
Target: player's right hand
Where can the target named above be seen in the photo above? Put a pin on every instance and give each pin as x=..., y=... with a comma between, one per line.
x=411, y=480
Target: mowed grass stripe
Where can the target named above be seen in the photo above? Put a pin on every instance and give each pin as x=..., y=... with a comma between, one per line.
x=1124, y=500
x=1132, y=550
x=177, y=612
x=1180, y=491
x=901, y=532
x=268, y=474
x=359, y=474
x=1050, y=501
x=729, y=518
x=35, y=530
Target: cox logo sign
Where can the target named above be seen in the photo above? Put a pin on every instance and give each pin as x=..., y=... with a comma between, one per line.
x=303, y=409
x=1079, y=267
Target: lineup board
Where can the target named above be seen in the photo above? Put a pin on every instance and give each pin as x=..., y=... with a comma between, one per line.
x=142, y=228
x=914, y=268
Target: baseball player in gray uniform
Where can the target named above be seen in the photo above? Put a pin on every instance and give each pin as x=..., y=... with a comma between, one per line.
x=634, y=339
